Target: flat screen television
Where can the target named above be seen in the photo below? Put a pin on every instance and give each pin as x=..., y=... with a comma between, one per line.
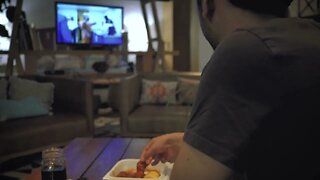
x=87, y=24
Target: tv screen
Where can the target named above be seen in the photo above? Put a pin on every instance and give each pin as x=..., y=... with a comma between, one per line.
x=88, y=24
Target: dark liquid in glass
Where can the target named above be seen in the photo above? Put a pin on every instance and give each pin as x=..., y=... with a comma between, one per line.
x=58, y=173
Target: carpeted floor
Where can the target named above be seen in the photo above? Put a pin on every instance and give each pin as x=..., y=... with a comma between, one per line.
x=107, y=126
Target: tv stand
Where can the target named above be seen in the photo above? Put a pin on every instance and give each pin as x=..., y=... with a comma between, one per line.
x=110, y=48
x=144, y=60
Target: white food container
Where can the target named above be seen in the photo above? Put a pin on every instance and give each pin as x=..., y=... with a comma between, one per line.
x=125, y=164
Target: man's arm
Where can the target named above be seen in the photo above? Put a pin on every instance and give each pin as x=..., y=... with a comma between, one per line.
x=193, y=164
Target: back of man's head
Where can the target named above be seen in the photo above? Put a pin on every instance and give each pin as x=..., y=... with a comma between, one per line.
x=277, y=8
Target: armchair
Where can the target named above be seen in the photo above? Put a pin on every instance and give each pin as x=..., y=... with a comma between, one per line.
x=148, y=119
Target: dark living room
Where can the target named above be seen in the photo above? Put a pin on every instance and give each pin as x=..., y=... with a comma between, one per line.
x=98, y=79
x=78, y=83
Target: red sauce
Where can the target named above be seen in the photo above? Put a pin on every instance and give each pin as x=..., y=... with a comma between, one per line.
x=141, y=166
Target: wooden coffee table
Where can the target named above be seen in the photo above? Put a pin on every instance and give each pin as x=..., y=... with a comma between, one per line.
x=92, y=158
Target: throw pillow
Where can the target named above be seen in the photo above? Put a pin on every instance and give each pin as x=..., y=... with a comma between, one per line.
x=27, y=107
x=158, y=92
x=187, y=90
x=21, y=88
x=3, y=88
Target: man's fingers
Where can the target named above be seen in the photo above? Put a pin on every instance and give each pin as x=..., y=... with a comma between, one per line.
x=149, y=160
x=164, y=160
x=145, y=153
x=156, y=159
x=149, y=145
x=155, y=162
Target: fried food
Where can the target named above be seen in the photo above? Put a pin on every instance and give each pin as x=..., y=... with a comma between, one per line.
x=139, y=172
x=132, y=173
x=141, y=166
x=152, y=174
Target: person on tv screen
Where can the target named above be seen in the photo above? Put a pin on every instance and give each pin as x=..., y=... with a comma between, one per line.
x=64, y=31
x=111, y=29
x=257, y=109
x=86, y=32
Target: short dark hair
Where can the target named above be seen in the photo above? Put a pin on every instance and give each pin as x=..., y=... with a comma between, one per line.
x=277, y=8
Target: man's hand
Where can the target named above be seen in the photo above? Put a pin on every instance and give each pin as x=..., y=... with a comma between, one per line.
x=164, y=148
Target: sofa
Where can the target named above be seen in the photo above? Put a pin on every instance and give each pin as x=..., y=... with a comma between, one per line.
x=70, y=116
x=144, y=116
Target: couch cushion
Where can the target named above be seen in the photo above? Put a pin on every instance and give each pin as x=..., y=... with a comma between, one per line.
x=21, y=88
x=187, y=90
x=27, y=107
x=3, y=88
x=158, y=92
x=159, y=119
x=29, y=133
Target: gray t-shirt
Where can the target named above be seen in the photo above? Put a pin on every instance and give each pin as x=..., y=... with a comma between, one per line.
x=258, y=101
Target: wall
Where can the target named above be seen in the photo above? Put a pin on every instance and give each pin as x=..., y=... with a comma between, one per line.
x=194, y=36
x=201, y=50
x=166, y=23
x=134, y=23
x=40, y=14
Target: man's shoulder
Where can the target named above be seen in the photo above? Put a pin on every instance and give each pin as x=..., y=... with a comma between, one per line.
x=239, y=52
x=283, y=35
x=242, y=42
x=239, y=45
x=278, y=37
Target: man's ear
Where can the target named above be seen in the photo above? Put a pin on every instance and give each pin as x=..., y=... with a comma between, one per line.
x=208, y=9
x=204, y=8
